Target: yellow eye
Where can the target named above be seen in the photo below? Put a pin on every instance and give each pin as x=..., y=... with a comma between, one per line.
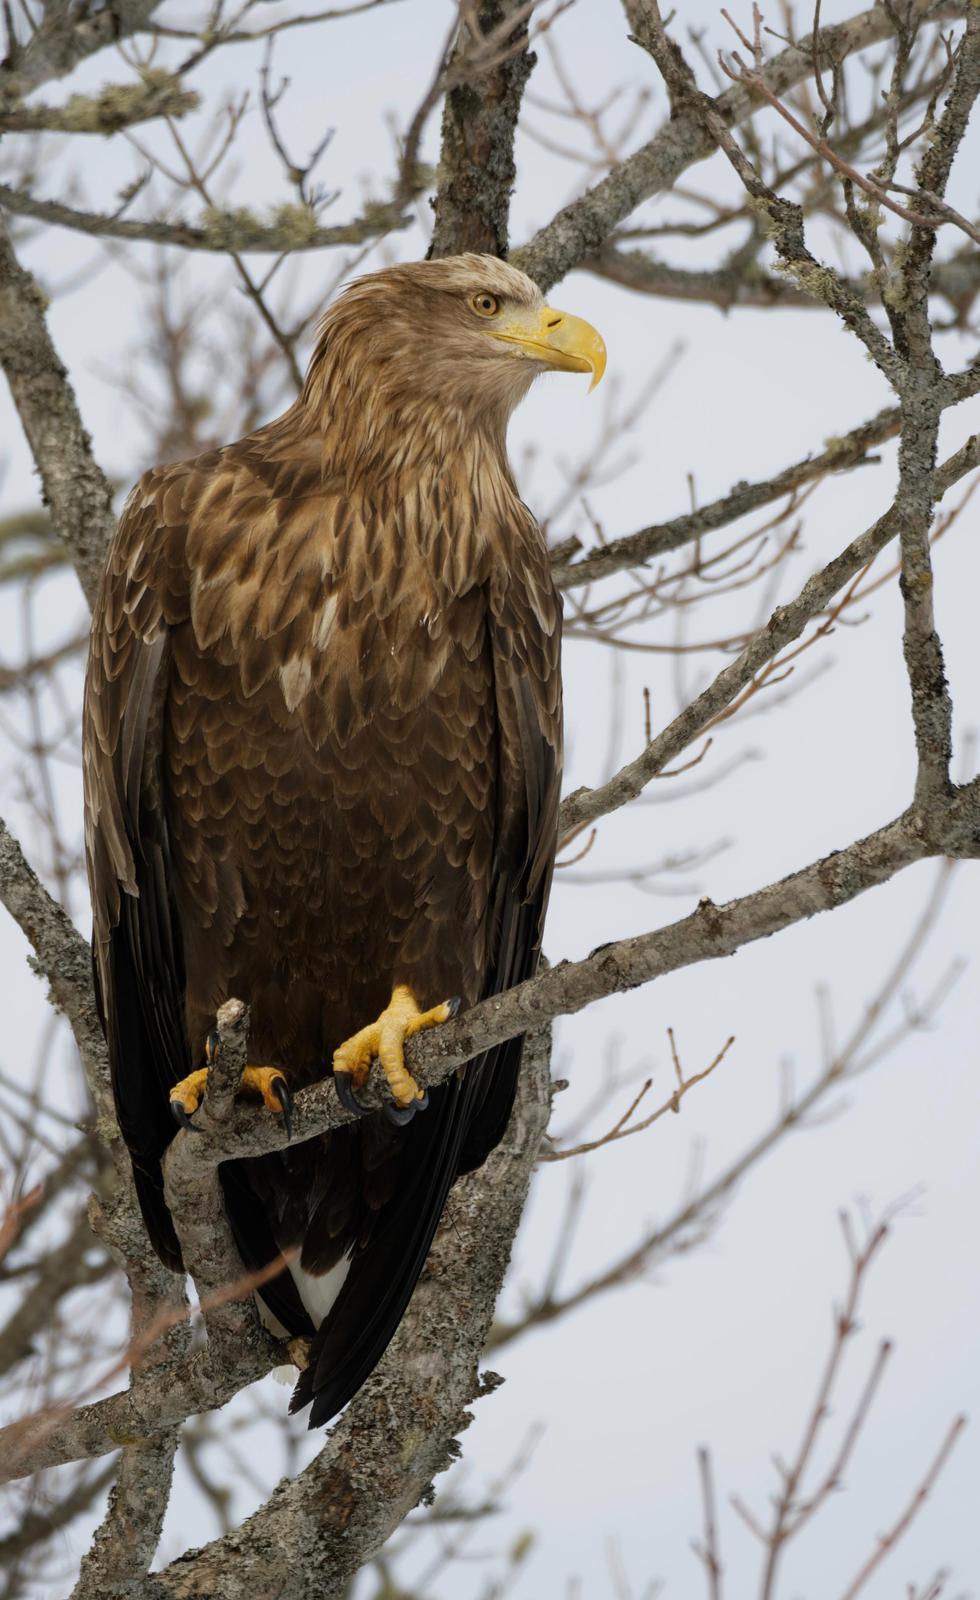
x=485, y=304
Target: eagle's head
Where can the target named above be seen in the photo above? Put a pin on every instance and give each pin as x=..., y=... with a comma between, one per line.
x=443, y=349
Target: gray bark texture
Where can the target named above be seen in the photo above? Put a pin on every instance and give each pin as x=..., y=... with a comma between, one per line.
x=479, y=119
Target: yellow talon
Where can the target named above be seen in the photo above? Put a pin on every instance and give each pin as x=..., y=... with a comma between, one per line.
x=269, y=1082
x=385, y=1039
x=266, y=1081
x=189, y=1092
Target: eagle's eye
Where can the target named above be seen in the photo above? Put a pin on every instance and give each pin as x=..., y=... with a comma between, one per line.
x=485, y=304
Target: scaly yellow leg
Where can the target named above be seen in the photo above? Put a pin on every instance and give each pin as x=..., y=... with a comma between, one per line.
x=186, y=1096
x=385, y=1039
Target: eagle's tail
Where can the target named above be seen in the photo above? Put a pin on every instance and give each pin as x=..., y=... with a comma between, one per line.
x=376, y=1291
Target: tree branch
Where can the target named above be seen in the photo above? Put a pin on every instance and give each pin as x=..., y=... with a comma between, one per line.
x=476, y=163
x=634, y=549
x=66, y=37
x=745, y=283
x=922, y=405
x=292, y=228
x=75, y=487
x=116, y=106
x=784, y=626
x=196, y=1203
x=62, y=956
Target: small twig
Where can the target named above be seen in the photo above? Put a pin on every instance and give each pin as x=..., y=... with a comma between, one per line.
x=887, y=1541
x=707, y=1551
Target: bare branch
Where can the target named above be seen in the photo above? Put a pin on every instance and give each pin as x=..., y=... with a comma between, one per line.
x=887, y=1541
x=75, y=487
x=785, y=624
x=63, y=958
x=744, y=283
x=633, y=549
x=292, y=227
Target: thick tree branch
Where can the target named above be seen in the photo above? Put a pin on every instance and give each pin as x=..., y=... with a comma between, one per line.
x=292, y=228
x=125, y=1543
x=65, y=37
x=951, y=827
x=196, y=1203
x=476, y=163
x=922, y=403
x=75, y=487
x=62, y=956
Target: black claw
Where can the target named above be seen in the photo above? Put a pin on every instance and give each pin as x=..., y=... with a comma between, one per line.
x=182, y=1117
x=280, y=1089
x=400, y=1116
x=212, y=1047
x=347, y=1097
x=454, y=1005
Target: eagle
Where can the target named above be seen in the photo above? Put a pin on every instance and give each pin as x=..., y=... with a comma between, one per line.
x=322, y=743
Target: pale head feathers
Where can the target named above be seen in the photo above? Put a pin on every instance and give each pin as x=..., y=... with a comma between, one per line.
x=404, y=375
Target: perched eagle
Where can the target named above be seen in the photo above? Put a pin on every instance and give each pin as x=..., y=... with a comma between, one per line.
x=322, y=740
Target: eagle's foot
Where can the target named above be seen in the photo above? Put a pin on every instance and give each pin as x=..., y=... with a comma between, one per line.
x=385, y=1039
x=186, y=1096
x=272, y=1086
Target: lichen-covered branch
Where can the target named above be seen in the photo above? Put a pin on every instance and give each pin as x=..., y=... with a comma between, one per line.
x=476, y=163
x=126, y=1540
x=196, y=1203
x=950, y=827
x=118, y=105
x=75, y=488
x=923, y=395
x=290, y=228
x=65, y=37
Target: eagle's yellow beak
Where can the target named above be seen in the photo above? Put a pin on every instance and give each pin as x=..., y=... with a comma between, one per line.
x=566, y=343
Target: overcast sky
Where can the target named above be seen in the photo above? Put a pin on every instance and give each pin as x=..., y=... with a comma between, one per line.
x=724, y=1346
